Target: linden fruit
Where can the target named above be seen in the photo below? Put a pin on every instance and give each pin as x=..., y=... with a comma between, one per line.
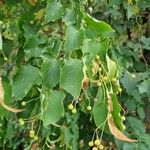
x=89, y=108
x=36, y=138
x=97, y=142
x=133, y=76
x=123, y=127
x=70, y=106
x=100, y=69
x=74, y=110
x=114, y=80
x=105, y=78
x=99, y=84
x=120, y=89
x=21, y=122
x=94, y=148
x=123, y=118
x=97, y=57
x=91, y=143
x=101, y=147
x=31, y=133
x=23, y=103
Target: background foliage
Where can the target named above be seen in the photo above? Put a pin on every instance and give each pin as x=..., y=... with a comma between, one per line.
x=45, y=46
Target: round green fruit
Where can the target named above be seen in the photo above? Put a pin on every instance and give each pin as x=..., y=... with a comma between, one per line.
x=70, y=107
x=91, y=143
x=89, y=108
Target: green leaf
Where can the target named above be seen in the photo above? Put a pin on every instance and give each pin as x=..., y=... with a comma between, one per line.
x=31, y=46
x=54, y=51
x=96, y=28
x=130, y=12
x=112, y=68
x=145, y=138
x=72, y=76
x=53, y=107
x=23, y=81
x=115, y=2
x=50, y=73
x=130, y=146
x=141, y=112
x=103, y=49
x=12, y=30
x=100, y=110
x=10, y=131
x=100, y=113
x=116, y=112
x=146, y=42
x=90, y=46
x=144, y=87
x=137, y=125
x=73, y=16
x=131, y=86
x=100, y=95
x=54, y=11
x=68, y=136
x=74, y=38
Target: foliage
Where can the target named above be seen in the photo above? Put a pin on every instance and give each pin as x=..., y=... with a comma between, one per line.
x=65, y=71
x=129, y=47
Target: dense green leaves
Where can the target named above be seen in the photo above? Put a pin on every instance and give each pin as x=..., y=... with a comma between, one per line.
x=53, y=107
x=26, y=77
x=72, y=76
x=69, y=65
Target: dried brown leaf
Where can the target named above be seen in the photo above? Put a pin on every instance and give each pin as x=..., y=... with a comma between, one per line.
x=112, y=127
x=85, y=82
x=15, y=110
x=116, y=132
x=1, y=89
x=110, y=104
